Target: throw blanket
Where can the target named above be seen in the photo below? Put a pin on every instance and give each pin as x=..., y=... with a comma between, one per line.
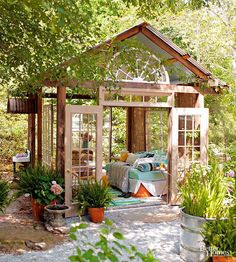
x=118, y=175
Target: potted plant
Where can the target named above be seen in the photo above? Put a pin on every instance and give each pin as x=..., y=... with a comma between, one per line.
x=94, y=196
x=220, y=235
x=203, y=194
x=40, y=183
x=4, y=190
x=220, y=239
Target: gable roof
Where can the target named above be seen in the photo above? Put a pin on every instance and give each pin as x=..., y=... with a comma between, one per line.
x=169, y=47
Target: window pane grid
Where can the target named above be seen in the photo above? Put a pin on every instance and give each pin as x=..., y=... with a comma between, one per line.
x=83, y=146
x=188, y=139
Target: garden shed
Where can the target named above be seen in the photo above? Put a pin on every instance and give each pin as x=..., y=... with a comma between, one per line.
x=148, y=80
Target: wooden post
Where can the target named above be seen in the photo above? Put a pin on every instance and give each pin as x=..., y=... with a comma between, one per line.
x=169, y=155
x=31, y=138
x=200, y=101
x=136, y=129
x=39, y=125
x=60, y=150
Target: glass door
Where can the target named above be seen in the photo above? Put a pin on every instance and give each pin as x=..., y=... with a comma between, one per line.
x=83, y=152
x=188, y=142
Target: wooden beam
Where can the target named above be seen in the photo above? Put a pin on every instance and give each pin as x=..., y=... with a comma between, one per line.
x=173, y=53
x=186, y=100
x=122, y=36
x=137, y=104
x=31, y=138
x=60, y=151
x=174, y=60
x=136, y=85
x=68, y=96
x=39, y=125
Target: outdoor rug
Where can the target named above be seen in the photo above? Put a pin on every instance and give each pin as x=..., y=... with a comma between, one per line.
x=125, y=202
x=121, y=202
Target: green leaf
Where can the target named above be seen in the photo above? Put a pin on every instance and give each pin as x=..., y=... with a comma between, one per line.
x=82, y=226
x=118, y=235
x=74, y=258
x=105, y=231
x=73, y=236
x=108, y=222
x=88, y=254
x=73, y=229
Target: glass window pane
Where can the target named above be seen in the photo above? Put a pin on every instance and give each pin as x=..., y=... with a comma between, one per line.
x=83, y=145
x=197, y=122
x=189, y=124
x=196, y=138
x=197, y=154
x=189, y=138
x=181, y=122
x=181, y=138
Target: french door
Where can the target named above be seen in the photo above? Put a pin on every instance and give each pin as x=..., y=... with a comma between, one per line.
x=188, y=136
x=83, y=149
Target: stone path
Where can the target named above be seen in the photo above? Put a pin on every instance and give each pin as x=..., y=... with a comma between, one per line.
x=156, y=228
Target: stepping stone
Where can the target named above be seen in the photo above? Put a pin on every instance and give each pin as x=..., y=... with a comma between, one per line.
x=35, y=245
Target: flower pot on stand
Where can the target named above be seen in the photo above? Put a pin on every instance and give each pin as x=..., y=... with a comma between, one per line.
x=96, y=214
x=57, y=211
x=37, y=210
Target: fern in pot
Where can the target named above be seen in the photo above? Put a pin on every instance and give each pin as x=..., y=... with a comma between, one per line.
x=203, y=194
x=38, y=182
x=4, y=191
x=95, y=197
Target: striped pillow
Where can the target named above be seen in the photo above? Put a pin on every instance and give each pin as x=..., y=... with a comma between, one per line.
x=146, y=167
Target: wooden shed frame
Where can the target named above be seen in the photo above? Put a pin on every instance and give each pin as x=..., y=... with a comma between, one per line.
x=182, y=100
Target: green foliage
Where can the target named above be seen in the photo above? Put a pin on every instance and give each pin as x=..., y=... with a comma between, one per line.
x=231, y=163
x=110, y=245
x=4, y=190
x=220, y=236
x=37, y=182
x=204, y=191
x=37, y=36
x=93, y=194
x=209, y=36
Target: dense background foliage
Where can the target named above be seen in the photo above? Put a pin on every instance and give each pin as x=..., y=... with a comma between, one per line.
x=37, y=36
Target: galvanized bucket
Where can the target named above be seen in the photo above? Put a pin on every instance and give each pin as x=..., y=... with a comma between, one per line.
x=192, y=247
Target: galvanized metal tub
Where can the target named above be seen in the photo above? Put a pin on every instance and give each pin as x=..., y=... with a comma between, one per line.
x=192, y=247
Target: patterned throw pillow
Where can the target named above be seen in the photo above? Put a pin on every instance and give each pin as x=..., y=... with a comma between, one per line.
x=146, y=167
x=124, y=157
x=131, y=158
x=143, y=161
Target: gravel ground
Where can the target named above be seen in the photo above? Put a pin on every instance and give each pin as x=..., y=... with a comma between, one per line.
x=156, y=228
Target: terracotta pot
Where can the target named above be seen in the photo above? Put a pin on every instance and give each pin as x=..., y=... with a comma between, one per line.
x=96, y=214
x=37, y=210
x=223, y=259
